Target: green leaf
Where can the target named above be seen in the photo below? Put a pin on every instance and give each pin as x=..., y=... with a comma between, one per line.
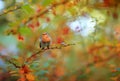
x=46, y=65
x=20, y=45
x=46, y=2
x=25, y=31
x=83, y=76
x=12, y=24
x=42, y=72
x=58, y=19
x=27, y=9
x=72, y=11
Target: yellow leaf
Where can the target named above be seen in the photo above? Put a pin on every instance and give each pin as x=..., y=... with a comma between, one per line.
x=30, y=77
x=60, y=9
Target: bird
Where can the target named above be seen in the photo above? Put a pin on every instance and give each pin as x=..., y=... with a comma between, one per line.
x=45, y=41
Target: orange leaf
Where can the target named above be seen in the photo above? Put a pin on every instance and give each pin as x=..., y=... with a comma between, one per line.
x=26, y=69
x=59, y=71
x=21, y=79
x=30, y=77
x=21, y=71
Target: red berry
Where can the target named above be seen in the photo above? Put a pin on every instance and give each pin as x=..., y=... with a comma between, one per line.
x=31, y=25
x=38, y=10
x=48, y=19
x=65, y=30
x=115, y=15
x=37, y=24
x=20, y=37
x=59, y=40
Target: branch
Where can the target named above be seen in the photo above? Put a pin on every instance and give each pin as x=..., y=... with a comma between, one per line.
x=5, y=58
x=32, y=56
x=45, y=11
x=38, y=15
x=13, y=64
x=11, y=10
x=40, y=51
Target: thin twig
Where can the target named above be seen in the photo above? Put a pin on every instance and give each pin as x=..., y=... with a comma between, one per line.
x=38, y=15
x=8, y=60
x=32, y=56
x=11, y=10
x=45, y=11
x=13, y=64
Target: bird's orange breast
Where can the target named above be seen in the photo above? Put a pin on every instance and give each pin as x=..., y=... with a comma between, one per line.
x=45, y=38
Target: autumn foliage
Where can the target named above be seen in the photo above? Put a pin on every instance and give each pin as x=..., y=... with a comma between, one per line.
x=84, y=40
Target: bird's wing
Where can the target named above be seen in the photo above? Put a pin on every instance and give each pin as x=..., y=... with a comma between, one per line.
x=40, y=44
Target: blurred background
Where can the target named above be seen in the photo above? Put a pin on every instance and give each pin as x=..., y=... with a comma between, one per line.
x=92, y=25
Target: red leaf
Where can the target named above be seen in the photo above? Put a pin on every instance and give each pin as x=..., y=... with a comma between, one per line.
x=59, y=71
x=24, y=69
x=106, y=3
x=96, y=59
